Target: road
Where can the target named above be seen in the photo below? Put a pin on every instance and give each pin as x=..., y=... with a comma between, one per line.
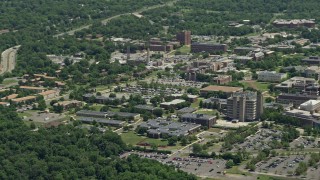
x=105, y=21
x=8, y=59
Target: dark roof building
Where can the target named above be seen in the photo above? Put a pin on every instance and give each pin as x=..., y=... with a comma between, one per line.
x=158, y=128
x=209, y=48
x=102, y=121
x=204, y=120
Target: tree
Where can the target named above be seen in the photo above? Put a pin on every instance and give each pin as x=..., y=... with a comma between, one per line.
x=42, y=105
x=158, y=112
x=33, y=125
x=154, y=146
x=184, y=141
x=229, y=164
x=172, y=140
x=196, y=148
x=302, y=168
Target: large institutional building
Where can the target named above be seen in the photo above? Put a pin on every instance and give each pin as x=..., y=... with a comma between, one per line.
x=245, y=106
x=271, y=76
x=184, y=37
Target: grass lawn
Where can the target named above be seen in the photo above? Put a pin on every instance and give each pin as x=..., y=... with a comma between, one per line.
x=216, y=130
x=265, y=177
x=196, y=104
x=207, y=112
x=236, y=170
x=262, y=86
x=132, y=138
x=9, y=81
x=184, y=49
x=28, y=123
x=97, y=107
x=24, y=114
x=158, y=142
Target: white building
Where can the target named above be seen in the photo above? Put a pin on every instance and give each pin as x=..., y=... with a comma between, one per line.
x=271, y=76
x=311, y=105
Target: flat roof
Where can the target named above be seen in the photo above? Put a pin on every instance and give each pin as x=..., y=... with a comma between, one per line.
x=24, y=98
x=32, y=87
x=48, y=92
x=227, y=89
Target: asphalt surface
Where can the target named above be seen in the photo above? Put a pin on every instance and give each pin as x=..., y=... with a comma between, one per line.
x=8, y=59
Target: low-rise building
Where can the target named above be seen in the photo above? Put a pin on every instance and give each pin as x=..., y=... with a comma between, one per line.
x=204, y=120
x=296, y=99
x=271, y=76
x=186, y=110
x=69, y=104
x=106, y=122
x=312, y=60
x=294, y=23
x=9, y=97
x=159, y=128
x=32, y=88
x=49, y=94
x=222, y=79
x=27, y=99
x=302, y=84
x=214, y=103
x=172, y=104
x=311, y=106
x=209, y=48
x=306, y=118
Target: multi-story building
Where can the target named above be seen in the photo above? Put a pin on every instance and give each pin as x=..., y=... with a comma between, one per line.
x=311, y=106
x=204, y=120
x=222, y=79
x=184, y=37
x=312, y=60
x=294, y=23
x=271, y=76
x=245, y=106
x=244, y=50
x=209, y=48
x=300, y=84
x=295, y=99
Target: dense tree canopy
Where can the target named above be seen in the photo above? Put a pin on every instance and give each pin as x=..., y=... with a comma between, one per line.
x=69, y=152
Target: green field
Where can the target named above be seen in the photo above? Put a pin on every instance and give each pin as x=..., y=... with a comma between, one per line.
x=132, y=138
x=196, y=104
x=184, y=49
x=262, y=86
x=207, y=112
x=236, y=170
x=9, y=81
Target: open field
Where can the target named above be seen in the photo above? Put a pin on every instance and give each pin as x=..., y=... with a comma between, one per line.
x=262, y=86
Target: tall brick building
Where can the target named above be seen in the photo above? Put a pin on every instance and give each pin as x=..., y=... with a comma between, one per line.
x=184, y=37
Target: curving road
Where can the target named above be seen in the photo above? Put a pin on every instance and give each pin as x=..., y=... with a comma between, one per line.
x=105, y=21
x=8, y=59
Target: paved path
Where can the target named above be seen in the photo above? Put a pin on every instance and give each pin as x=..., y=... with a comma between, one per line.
x=105, y=21
x=8, y=59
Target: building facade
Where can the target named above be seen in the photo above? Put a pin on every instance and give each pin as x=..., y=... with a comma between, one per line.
x=245, y=106
x=209, y=48
x=271, y=76
x=184, y=37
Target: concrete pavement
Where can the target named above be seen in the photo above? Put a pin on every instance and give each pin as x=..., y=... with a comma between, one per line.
x=8, y=59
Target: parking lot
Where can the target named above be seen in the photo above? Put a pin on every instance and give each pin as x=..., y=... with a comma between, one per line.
x=281, y=165
x=305, y=142
x=313, y=173
x=259, y=141
x=204, y=167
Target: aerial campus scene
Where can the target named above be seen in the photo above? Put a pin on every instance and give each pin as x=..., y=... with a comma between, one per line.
x=160, y=89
